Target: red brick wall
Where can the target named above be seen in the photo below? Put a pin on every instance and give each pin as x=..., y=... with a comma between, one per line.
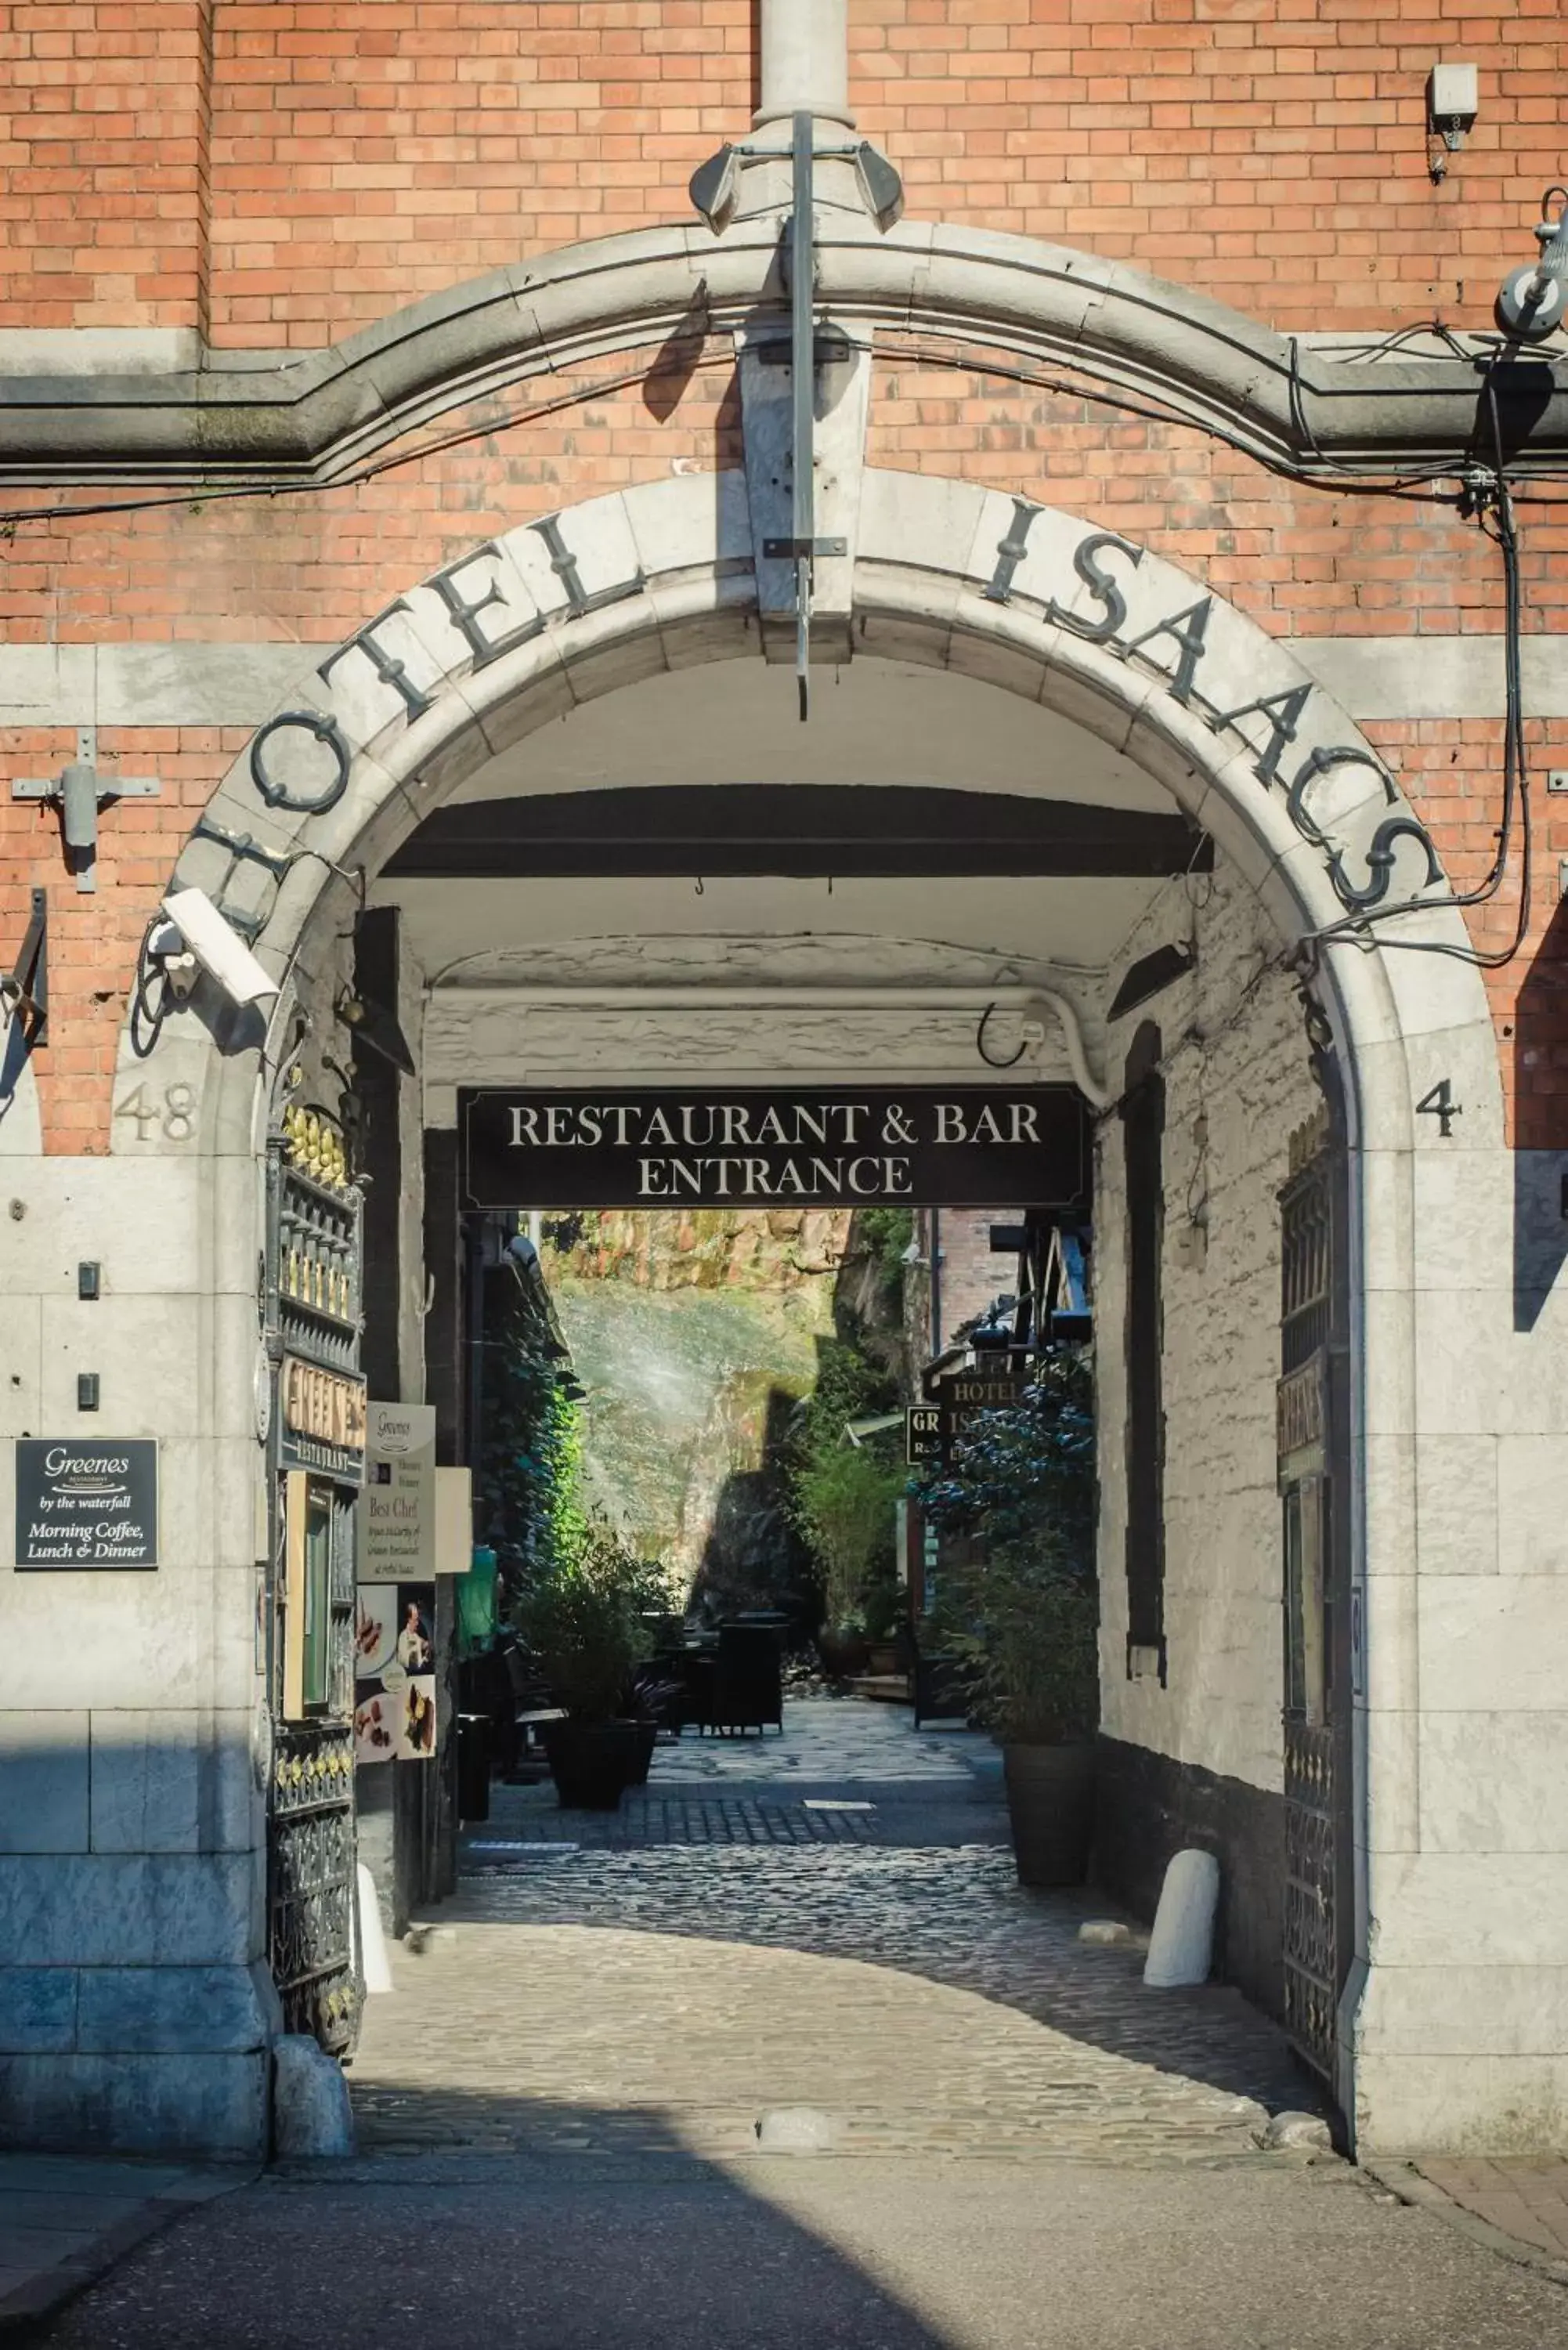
x=104, y=162
x=1272, y=152
x=971, y=1277
x=313, y=568
x=361, y=155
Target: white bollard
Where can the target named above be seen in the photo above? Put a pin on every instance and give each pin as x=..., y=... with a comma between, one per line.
x=311, y=2116
x=1181, y=1946
x=372, y=1940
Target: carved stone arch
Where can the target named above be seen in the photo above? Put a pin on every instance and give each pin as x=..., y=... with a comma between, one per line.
x=1028, y=600
x=964, y=580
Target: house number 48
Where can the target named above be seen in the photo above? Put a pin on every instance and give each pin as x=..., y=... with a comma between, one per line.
x=174, y=1113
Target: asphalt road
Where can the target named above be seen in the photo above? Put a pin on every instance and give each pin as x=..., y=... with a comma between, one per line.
x=798, y=2252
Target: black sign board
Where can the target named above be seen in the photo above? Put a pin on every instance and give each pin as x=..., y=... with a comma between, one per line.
x=929, y=1146
x=83, y=1501
x=956, y=1401
x=924, y=1435
x=982, y=1390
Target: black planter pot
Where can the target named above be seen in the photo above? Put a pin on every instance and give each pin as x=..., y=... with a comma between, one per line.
x=646, y=1731
x=592, y=1767
x=1051, y=1806
x=842, y=1653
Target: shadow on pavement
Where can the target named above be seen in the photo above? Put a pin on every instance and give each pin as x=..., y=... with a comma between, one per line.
x=949, y=1912
x=557, y=2249
x=661, y=2251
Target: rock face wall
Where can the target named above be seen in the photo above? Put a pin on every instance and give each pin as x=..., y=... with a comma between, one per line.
x=695, y=1335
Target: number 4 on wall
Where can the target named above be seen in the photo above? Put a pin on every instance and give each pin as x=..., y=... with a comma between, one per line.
x=1440, y=1104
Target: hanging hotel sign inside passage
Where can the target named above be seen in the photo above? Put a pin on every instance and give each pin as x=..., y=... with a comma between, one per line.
x=932, y=1147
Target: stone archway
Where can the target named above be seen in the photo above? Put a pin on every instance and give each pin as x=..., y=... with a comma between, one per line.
x=574, y=605
x=1024, y=599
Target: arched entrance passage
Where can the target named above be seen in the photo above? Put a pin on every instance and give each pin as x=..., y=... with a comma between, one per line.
x=1081, y=623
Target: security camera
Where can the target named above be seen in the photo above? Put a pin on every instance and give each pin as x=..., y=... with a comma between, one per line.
x=221, y=951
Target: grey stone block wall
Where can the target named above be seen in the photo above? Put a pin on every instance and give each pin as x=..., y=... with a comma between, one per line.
x=143, y=2059
x=139, y=2104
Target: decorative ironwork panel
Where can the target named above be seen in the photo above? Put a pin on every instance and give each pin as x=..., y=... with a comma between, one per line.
x=1307, y=1217
x=312, y=1768
x=312, y=1308
x=311, y=1883
x=1312, y=1991
x=1307, y=1291
x=1300, y=1422
x=317, y=1269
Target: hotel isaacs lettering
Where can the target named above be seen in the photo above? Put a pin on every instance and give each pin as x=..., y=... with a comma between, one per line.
x=950, y=1146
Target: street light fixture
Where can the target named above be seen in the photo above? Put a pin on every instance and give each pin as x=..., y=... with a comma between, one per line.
x=1530, y=303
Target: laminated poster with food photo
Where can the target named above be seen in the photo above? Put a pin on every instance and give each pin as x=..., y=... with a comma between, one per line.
x=394, y=1653
x=416, y=1718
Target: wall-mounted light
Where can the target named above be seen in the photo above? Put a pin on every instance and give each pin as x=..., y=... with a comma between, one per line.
x=377, y=1029
x=1147, y=977
x=714, y=187
x=881, y=189
x=1453, y=101
x=1530, y=303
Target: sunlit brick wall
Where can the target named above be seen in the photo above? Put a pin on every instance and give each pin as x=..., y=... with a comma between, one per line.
x=1272, y=153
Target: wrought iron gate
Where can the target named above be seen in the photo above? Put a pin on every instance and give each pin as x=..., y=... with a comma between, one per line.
x=1316, y=1698
x=312, y=1319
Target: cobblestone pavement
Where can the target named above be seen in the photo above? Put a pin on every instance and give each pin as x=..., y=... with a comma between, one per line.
x=835, y=1739
x=662, y=1978
x=1030, y=2152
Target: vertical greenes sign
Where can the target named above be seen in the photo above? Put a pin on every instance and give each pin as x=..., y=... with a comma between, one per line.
x=397, y=1507
x=394, y=1615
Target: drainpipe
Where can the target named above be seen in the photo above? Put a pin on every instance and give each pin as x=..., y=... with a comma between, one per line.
x=805, y=61
x=936, y=1217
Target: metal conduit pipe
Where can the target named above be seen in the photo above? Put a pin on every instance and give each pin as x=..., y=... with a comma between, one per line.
x=1022, y=1000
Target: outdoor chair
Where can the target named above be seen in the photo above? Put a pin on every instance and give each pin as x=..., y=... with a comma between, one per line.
x=748, y=1685
x=941, y=1691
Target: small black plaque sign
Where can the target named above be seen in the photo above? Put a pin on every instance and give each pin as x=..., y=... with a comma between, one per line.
x=87, y=1501
x=927, y=1146
x=923, y=1433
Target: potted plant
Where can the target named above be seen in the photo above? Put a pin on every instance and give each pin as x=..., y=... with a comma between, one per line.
x=846, y=1500
x=654, y=1703
x=582, y=1622
x=1021, y=1608
x=843, y=1493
